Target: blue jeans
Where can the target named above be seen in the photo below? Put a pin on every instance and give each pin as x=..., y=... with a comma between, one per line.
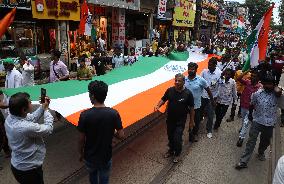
x=99, y=173
x=245, y=122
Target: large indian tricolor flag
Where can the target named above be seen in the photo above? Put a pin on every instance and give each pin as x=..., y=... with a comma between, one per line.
x=257, y=41
x=133, y=90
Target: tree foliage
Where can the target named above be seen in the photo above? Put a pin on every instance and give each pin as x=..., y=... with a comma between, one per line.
x=281, y=13
x=256, y=10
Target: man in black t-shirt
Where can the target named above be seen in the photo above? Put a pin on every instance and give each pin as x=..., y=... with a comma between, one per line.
x=97, y=127
x=180, y=103
x=100, y=65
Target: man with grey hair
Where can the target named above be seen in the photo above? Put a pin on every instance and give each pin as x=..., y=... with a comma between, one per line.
x=180, y=103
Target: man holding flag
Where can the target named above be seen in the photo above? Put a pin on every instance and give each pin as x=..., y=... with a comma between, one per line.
x=264, y=101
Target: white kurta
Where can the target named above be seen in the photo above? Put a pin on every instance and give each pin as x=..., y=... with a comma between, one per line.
x=28, y=74
x=14, y=79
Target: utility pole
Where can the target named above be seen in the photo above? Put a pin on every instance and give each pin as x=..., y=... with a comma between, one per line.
x=196, y=33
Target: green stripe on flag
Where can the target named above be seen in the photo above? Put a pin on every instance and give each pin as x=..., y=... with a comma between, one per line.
x=252, y=38
x=74, y=87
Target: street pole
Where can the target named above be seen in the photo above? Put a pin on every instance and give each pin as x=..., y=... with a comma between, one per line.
x=197, y=19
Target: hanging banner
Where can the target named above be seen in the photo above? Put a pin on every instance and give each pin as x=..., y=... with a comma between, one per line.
x=184, y=15
x=103, y=26
x=162, y=8
x=208, y=17
x=118, y=27
x=127, y=4
x=56, y=9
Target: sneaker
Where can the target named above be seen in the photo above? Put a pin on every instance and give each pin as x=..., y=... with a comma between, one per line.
x=261, y=157
x=209, y=135
x=168, y=154
x=240, y=142
x=241, y=165
x=230, y=119
x=176, y=159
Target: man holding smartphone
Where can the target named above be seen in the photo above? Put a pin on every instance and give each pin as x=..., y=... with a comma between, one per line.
x=25, y=137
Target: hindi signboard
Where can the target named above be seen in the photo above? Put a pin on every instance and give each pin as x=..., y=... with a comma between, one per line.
x=184, y=14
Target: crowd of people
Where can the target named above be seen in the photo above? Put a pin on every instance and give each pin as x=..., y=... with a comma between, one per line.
x=203, y=96
x=222, y=85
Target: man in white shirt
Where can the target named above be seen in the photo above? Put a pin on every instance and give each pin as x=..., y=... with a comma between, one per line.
x=102, y=42
x=198, y=48
x=27, y=71
x=211, y=75
x=118, y=58
x=25, y=137
x=14, y=78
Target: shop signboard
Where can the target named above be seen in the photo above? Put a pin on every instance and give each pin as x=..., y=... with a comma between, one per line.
x=162, y=8
x=126, y=4
x=184, y=14
x=210, y=4
x=20, y=4
x=208, y=17
x=56, y=9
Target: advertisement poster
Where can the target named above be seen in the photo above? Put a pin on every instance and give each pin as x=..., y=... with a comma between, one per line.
x=184, y=15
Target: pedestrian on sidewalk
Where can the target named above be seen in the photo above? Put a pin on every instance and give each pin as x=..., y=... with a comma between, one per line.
x=211, y=75
x=97, y=126
x=264, y=102
x=196, y=85
x=25, y=137
x=251, y=86
x=14, y=78
x=180, y=103
x=58, y=70
x=227, y=93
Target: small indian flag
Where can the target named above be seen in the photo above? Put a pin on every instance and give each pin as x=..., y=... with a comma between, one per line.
x=241, y=25
x=257, y=41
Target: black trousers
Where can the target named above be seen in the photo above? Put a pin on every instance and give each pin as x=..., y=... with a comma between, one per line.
x=34, y=176
x=220, y=112
x=175, y=132
x=197, y=119
x=3, y=138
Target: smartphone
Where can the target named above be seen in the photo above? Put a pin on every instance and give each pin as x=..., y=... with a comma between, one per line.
x=42, y=95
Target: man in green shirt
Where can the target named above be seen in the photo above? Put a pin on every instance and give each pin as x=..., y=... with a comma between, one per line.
x=83, y=72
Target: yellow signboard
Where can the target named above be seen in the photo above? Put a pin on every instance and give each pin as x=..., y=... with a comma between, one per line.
x=184, y=14
x=56, y=9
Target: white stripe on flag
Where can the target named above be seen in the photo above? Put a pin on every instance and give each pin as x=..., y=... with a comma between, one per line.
x=123, y=90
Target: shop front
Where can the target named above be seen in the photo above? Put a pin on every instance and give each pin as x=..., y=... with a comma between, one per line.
x=183, y=20
x=21, y=36
x=208, y=20
x=110, y=20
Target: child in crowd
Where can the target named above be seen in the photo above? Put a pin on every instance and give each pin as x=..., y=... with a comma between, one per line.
x=227, y=93
x=130, y=59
